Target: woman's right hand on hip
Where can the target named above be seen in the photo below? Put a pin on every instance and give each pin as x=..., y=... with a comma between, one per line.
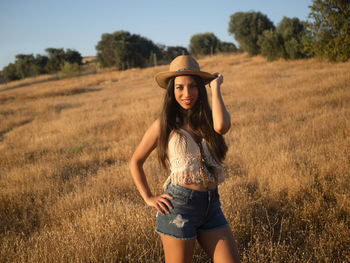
x=160, y=202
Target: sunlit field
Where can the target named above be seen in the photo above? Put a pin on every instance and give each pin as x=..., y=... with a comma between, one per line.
x=66, y=194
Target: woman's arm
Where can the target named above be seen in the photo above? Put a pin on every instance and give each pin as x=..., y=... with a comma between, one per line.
x=221, y=118
x=143, y=150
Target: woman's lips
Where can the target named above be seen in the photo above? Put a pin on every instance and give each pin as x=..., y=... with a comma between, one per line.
x=187, y=101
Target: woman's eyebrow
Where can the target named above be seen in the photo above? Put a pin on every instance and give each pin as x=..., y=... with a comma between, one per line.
x=190, y=84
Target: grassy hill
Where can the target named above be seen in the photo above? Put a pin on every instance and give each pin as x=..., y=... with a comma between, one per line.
x=66, y=194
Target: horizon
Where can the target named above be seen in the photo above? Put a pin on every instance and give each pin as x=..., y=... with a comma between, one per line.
x=30, y=28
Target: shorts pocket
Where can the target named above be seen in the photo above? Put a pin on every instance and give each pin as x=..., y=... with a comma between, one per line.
x=178, y=199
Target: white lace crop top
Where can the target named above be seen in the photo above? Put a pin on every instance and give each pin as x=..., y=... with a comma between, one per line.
x=185, y=161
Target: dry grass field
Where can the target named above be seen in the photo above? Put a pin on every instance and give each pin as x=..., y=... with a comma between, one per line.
x=66, y=194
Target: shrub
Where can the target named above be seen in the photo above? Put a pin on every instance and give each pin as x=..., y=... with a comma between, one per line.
x=69, y=70
x=227, y=47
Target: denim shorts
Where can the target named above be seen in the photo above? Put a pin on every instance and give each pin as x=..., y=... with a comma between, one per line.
x=193, y=212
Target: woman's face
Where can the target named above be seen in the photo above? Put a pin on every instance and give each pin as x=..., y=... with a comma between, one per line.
x=185, y=91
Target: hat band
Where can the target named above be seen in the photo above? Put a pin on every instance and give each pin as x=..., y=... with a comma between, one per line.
x=183, y=69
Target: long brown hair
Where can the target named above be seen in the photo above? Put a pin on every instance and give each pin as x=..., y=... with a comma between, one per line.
x=200, y=120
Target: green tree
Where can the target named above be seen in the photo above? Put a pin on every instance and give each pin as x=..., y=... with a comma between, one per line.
x=169, y=53
x=247, y=27
x=204, y=44
x=40, y=64
x=329, y=30
x=56, y=60
x=10, y=72
x=106, y=50
x=124, y=50
x=283, y=42
x=142, y=49
x=271, y=45
x=73, y=57
x=25, y=65
x=292, y=31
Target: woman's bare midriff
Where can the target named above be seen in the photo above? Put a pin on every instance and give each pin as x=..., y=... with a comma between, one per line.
x=200, y=187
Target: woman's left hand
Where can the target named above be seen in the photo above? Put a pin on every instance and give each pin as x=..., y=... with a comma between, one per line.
x=215, y=83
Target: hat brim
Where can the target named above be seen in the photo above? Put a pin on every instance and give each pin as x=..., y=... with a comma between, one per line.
x=162, y=78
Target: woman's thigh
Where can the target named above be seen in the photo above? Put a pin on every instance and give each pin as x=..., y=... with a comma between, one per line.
x=177, y=250
x=219, y=244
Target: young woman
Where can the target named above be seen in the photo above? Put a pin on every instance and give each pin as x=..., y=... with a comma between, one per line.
x=188, y=137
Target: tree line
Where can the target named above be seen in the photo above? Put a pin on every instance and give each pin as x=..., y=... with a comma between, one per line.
x=28, y=66
x=325, y=36
x=121, y=50
x=124, y=50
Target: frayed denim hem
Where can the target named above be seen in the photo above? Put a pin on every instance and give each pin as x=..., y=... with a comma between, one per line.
x=180, y=238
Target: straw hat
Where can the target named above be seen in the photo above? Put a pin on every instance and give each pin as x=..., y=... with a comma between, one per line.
x=182, y=65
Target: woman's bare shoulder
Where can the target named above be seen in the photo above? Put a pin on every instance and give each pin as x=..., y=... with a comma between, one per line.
x=155, y=127
x=153, y=131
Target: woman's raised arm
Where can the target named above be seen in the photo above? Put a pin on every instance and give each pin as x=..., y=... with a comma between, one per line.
x=221, y=117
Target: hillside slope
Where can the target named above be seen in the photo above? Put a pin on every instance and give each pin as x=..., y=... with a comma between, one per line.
x=66, y=192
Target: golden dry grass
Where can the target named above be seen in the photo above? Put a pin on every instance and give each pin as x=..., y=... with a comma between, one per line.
x=65, y=190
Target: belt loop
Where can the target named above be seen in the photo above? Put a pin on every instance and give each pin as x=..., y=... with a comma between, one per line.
x=191, y=194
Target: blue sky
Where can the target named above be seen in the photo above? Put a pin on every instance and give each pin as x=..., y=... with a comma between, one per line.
x=31, y=26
